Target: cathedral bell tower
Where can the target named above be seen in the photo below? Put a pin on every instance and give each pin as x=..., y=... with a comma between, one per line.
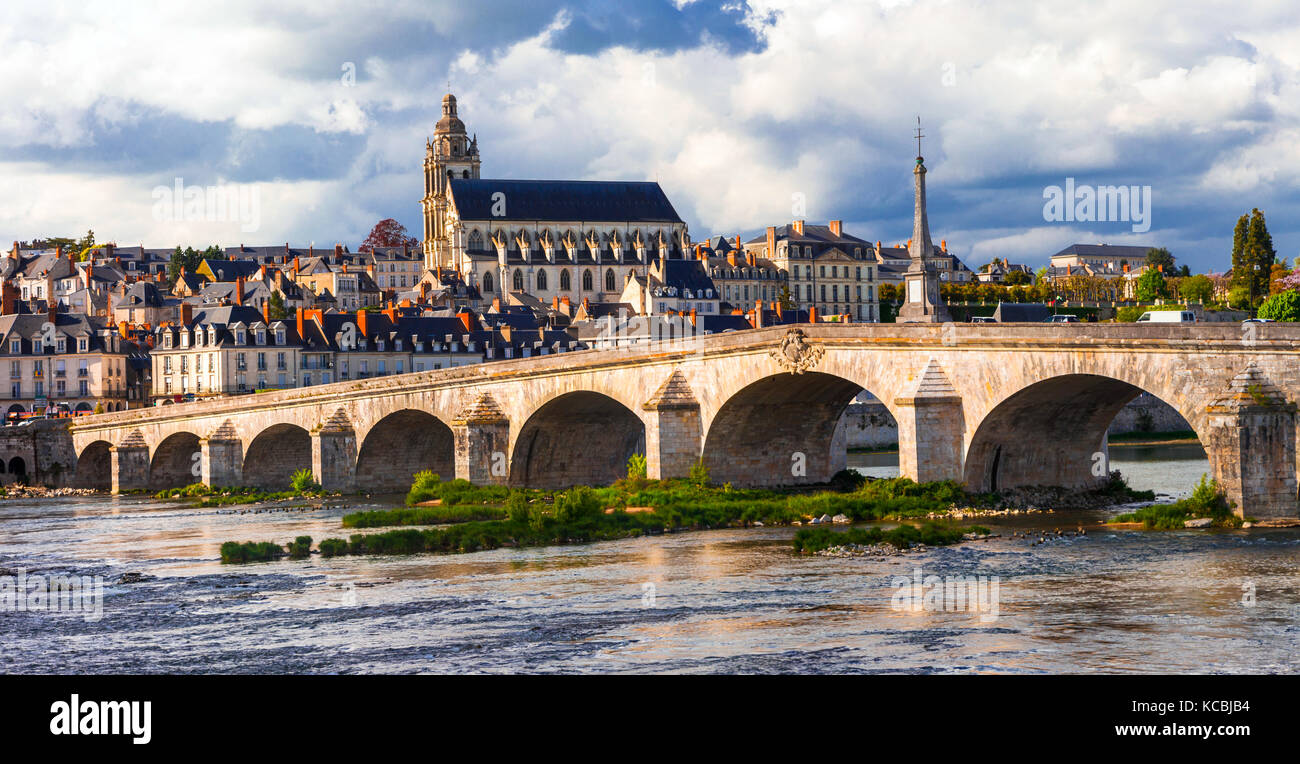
x=450, y=154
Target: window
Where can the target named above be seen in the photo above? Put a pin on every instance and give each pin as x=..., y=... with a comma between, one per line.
x=566, y=284
x=279, y=360
x=586, y=281
x=519, y=280
x=15, y=346
x=541, y=281
x=487, y=282
x=609, y=280
x=261, y=362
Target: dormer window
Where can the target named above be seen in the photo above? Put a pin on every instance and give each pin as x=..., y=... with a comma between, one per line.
x=279, y=336
x=261, y=336
x=15, y=346
x=241, y=337
x=185, y=338
x=379, y=344
x=61, y=345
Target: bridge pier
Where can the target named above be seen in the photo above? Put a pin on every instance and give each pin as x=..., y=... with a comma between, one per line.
x=1252, y=450
x=222, y=461
x=482, y=443
x=130, y=465
x=930, y=429
x=334, y=458
x=674, y=435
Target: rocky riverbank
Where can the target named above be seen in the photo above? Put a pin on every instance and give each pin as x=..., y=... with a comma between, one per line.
x=42, y=492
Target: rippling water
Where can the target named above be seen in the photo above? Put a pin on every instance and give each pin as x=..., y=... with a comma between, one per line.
x=723, y=601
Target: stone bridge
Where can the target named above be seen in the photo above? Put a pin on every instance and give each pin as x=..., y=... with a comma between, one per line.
x=992, y=406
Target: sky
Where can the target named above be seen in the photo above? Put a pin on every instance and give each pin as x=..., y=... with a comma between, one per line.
x=310, y=118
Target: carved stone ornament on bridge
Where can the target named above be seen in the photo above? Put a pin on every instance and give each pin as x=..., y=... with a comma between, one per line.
x=796, y=355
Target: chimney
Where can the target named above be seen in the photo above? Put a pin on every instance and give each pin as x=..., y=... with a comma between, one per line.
x=751, y=259
x=53, y=312
x=585, y=303
x=837, y=227
x=338, y=250
x=738, y=242
x=798, y=227
x=295, y=266
x=692, y=317
x=8, y=298
x=262, y=270
x=467, y=319
x=361, y=322
x=758, y=314
x=812, y=314
x=771, y=241
x=424, y=291
x=239, y=290
x=731, y=257
x=555, y=303
x=187, y=313
x=779, y=308
x=496, y=304
x=943, y=244
x=300, y=322
x=266, y=312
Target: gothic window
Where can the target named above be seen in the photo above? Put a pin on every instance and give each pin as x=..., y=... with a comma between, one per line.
x=586, y=281
x=519, y=280
x=487, y=282
x=475, y=240
x=566, y=283
x=541, y=281
x=609, y=280
x=465, y=174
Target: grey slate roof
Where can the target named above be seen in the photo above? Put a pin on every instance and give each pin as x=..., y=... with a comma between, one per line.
x=564, y=200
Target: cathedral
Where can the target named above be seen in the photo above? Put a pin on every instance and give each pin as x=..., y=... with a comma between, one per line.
x=546, y=238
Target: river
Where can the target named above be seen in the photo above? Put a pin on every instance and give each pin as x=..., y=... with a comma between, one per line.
x=714, y=601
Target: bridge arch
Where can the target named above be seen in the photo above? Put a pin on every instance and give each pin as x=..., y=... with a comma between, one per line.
x=400, y=445
x=578, y=438
x=95, y=466
x=174, y=462
x=780, y=430
x=275, y=454
x=1051, y=431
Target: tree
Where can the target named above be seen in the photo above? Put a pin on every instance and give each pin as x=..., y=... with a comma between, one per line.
x=1150, y=285
x=1252, y=255
x=786, y=299
x=190, y=259
x=1284, y=306
x=1159, y=257
x=1197, y=288
x=388, y=233
x=275, y=307
x=1016, y=278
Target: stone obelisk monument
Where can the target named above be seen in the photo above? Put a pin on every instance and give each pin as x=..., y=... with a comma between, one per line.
x=921, y=301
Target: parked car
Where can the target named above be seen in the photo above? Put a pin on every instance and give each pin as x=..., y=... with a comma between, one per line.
x=1061, y=318
x=983, y=320
x=1168, y=317
x=1258, y=321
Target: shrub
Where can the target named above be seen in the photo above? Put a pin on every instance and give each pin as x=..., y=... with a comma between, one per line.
x=250, y=551
x=1284, y=306
x=304, y=482
x=333, y=547
x=425, y=487
x=636, y=467
x=576, y=505
x=699, y=474
x=517, y=507
x=299, y=548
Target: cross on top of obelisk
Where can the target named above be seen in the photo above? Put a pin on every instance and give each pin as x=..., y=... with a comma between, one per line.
x=919, y=136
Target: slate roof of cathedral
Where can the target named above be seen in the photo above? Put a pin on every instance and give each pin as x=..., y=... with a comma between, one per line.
x=564, y=200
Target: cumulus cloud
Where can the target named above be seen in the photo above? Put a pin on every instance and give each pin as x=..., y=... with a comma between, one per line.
x=743, y=111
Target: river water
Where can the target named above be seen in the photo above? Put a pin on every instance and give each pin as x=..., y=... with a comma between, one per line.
x=715, y=601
